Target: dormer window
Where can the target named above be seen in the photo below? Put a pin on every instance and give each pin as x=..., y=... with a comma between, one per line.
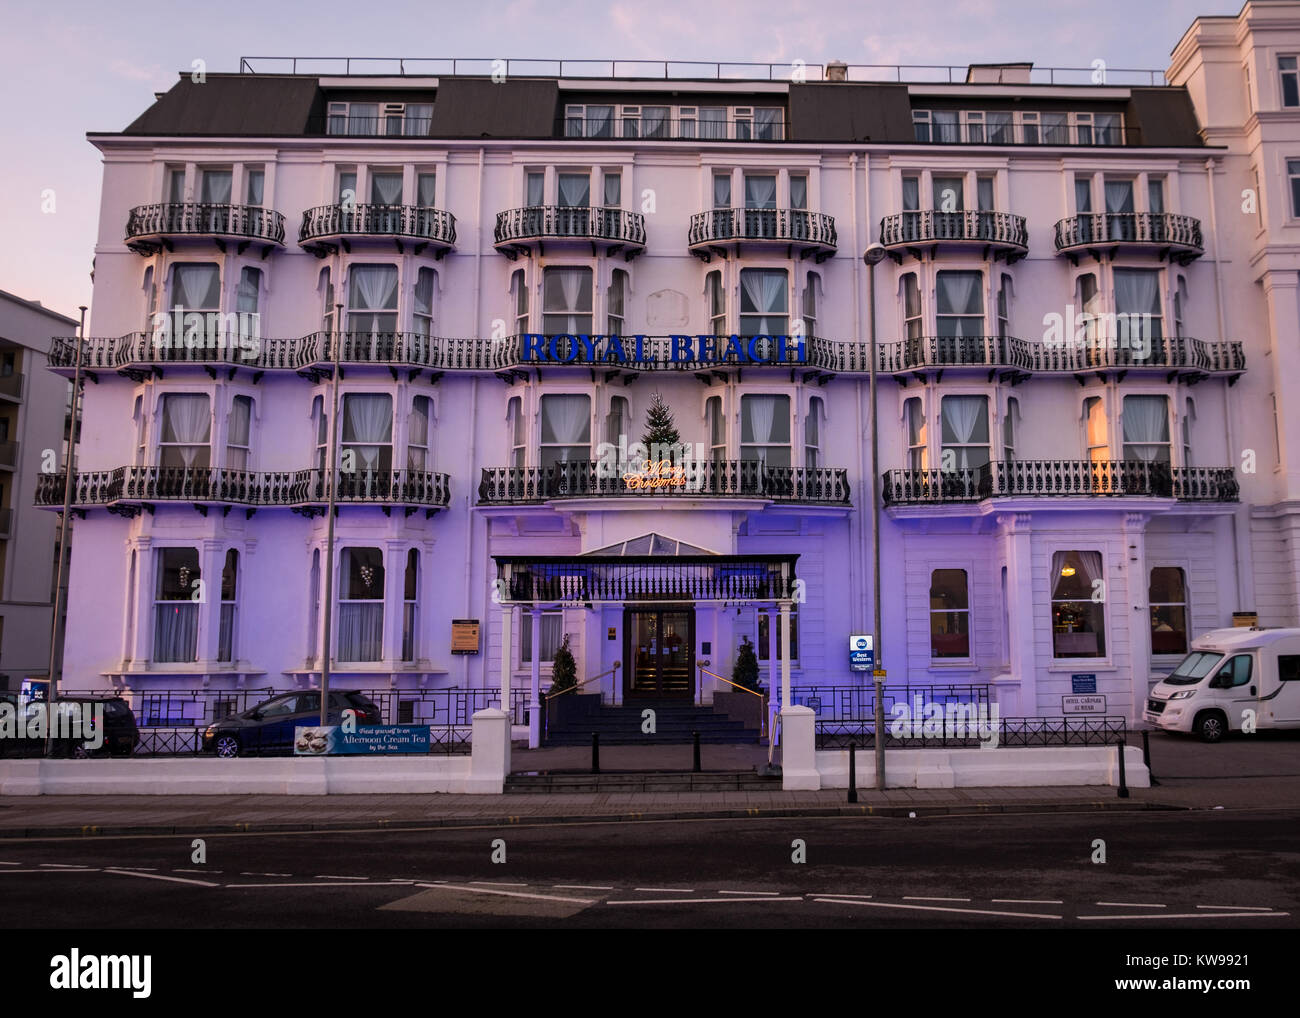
x=392, y=119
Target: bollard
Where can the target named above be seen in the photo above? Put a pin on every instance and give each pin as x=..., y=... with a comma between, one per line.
x=595, y=752
x=853, y=772
x=1146, y=756
x=697, y=751
x=1123, y=781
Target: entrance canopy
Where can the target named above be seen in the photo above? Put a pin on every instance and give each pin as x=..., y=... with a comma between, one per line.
x=598, y=577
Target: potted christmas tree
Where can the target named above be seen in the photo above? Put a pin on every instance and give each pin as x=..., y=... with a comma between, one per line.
x=661, y=438
x=734, y=702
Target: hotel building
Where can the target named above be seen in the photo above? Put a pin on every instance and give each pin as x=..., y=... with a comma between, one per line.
x=1082, y=328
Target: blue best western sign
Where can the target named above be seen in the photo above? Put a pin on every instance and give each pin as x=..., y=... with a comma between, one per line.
x=862, y=652
x=577, y=349
x=332, y=740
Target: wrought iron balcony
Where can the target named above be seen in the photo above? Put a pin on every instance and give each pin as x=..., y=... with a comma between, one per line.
x=1000, y=233
x=327, y=228
x=610, y=230
x=721, y=230
x=699, y=479
x=295, y=489
x=1177, y=238
x=1058, y=479
x=151, y=227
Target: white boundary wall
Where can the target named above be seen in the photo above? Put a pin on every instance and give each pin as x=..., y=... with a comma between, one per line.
x=1028, y=767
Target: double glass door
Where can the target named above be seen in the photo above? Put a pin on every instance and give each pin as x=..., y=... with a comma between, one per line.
x=660, y=652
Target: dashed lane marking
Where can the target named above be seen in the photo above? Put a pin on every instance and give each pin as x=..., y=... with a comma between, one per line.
x=1239, y=908
x=338, y=883
x=917, y=897
x=754, y=894
x=694, y=901
x=50, y=873
x=248, y=874
x=582, y=887
x=496, y=883
x=329, y=876
x=1027, y=901
x=159, y=876
x=1190, y=915
x=666, y=890
x=1128, y=904
x=66, y=866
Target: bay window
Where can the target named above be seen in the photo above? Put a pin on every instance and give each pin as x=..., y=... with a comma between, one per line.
x=764, y=302
x=248, y=295
x=361, y=604
x=551, y=633
x=426, y=188
x=760, y=205
x=717, y=429
x=1096, y=432
x=176, y=613
x=417, y=434
x=812, y=435
x=186, y=431
x=566, y=302
x=1167, y=598
x=517, y=427
x=575, y=190
x=566, y=429
x=913, y=322
x=372, y=300
x=367, y=446
x=917, y=441
x=949, y=614
x=1078, y=621
x=229, y=592
x=1146, y=429
x=949, y=194
x=1010, y=428
x=614, y=304
x=238, y=433
x=196, y=286
x=410, y=598
x=1119, y=210
x=386, y=191
x=422, y=315
x=1137, y=310
x=519, y=285
x=959, y=304
x=964, y=431
x=717, y=303
x=765, y=430
x=214, y=189
x=255, y=186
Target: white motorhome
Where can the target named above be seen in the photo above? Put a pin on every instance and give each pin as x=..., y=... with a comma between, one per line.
x=1232, y=679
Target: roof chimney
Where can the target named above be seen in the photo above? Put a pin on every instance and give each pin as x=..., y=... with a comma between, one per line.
x=837, y=70
x=999, y=74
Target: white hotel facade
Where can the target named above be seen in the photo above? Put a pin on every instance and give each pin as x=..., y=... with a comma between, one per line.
x=1053, y=503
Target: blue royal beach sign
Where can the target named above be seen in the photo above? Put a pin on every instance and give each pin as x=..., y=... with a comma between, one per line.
x=578, y=349
x=332, y=740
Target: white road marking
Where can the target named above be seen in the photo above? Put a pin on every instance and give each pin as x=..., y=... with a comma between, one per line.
x=249, y=874
x=496, y=883
x=62, y=866
x=325, y=876
x=581, y=887
x=348, y=883
x=666, y=890
x=1026, y=901
x=138, y=869
x=1127, y=904
x=508, y=894
x=10, y=864
x=1240, y=908
x=694, y=901
x=194, y=869
x=940, y=908
x=91, y=869
x=917, y=897
x=1189, y=915
x=849, y=897
x=770, y=894
x=159, y=876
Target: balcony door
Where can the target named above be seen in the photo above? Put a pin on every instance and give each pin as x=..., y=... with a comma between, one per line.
x=659, y=647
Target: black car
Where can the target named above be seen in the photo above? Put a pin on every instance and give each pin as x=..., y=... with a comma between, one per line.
x=120, y=735
x=269, y=727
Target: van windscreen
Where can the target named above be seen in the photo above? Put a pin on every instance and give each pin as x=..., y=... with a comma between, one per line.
x=1193, y=668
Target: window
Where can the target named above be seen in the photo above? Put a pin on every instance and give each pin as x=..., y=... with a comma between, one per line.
x=520, y=288
x=1083, y=195
x=417, y=434
x=1001, y=130
x=949, y=194
x=1137, y=310
x=964, y=428
x=1235, y=672
x=911, y=194
x=974, y=124
x=1056, y=128
x=426, y=189
x=760, y=191
x=422, y=315
x=214, y=187
x=921, y=125
x=327, y=318
x=764, y=302
x=1146, y=429
x=1083, y=127
x=176, y=185
x=713, y=123
x=947, y=129
x=551, y=632
x=767, y=124
x=313, y=599
x=361, y=604
x=385, y=188
x=765, y=430
x=1096, y=437
x=176, y=612
x=1189, y=422
x=717, y=429
x=229, y=589
x=812, y=432
x=959, y=303
x=566, y=429
x=1156, y=194
x=1029, y=128
x=913, y=326
x=722, y=190
x=798, y=191
x=518, y=428
x=535, y=189
x=255, y=187
x=248, y=295
x=616, y=423
x=575, y=190
x=717, y=303
x=1167, y=596
x=984, y=193
x=321, y=417
x=810, y=305
x=372, y=300
x=238, y=428
x=1089, y=301
x=612, y=186
x=417, y=120
x=1288, y=667
x=1004, y=307
x=1120, y=221
x=766, y=620
x=186, y=431
x=917, y=452
x=1286, y=67
x=196, y=286
x=1293, y=177
x=949, y=614
x=1078, y=621
x=1010, y=427
x=410, y=597
x=347, y=187
x=1180, y=305
x=614, y=319
x=151, y=298
x=566, y=302
x=367, y=445
x=1106, y=128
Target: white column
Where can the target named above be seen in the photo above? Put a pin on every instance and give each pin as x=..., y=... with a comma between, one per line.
x=534, y=683
x=785, y=654
x=507, y=616
x=773, y=636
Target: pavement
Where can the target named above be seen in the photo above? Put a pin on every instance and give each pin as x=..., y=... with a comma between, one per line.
x=1242, y=773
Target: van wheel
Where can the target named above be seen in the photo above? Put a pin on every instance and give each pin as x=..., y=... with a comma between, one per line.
x=1211, y=726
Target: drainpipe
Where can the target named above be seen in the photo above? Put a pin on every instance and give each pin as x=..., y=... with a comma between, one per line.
x=473, y=421
x=857, y=575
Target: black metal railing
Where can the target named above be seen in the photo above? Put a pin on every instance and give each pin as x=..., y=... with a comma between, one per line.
x=251, y=222
x=851, y=703
x=536, y=222
x=417, y=222
x=696, y=479
x=240, y=487
x=1087, y=354
x=792, y=226
x=928, y=226
x=1153, y=228
x=955, y=732
x=1059, y=478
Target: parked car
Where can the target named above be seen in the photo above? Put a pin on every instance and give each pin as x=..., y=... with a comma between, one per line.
x=121, y=734
x=269, y=727
x=1228, y=673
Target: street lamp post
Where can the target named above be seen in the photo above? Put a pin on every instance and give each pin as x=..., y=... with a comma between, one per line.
x=874, y=254
x=331, y=483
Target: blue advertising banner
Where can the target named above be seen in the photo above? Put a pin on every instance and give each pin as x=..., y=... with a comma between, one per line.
x=332, y=740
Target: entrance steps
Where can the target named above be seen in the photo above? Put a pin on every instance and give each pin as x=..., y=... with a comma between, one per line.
x=675, y=722
x=642, y=781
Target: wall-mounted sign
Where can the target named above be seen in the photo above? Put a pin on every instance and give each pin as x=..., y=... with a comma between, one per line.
x=1083, y=705
x=862, y=653
x=656, y=474
x=464, y=636
x=1083, y=682
x=567, y=349
x=1245, y=620
x=332, y=740
x=613, y=633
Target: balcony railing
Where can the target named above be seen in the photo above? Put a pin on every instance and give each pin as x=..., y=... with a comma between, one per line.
x=703, y=479
x=997, y=229
x=781, y=226
x=240, y=487
x=415, y=222
x=1181, y=234
x=201, y=219
x=617, y=227
x=1060, y=478
x=138, y=351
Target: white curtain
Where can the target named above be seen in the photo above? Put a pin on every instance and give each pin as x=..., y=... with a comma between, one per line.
x=763, y=293
x=374, y=289
x=1089, y=563
x=536, y=189
x=386, y=188
x=613, y=190
x=946, y=128
x=1082, y=194
x=958, y=293
x=361, y=631
x=566, y=299
x=721, y=192
x=566, y=420
x=256, y=186
x=1137, y=292
x=238, y=432
x=186, y=422
x=760, y=192
x=426, y=188
x=798, y=192
x=176, y=631
x=196, y=287
x=418, y=431
x=1119, y=200
x=762, y=418
x=367, y=426
x=965, y=421
x=575, y=190
x=216, y=187
x=654, y=122
x=250, y=285
x=1146, y=428
x=911, y=194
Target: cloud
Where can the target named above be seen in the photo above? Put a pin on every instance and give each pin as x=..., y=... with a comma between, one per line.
x=135, y=72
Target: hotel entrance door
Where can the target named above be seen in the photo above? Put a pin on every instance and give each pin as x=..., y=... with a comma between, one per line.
x=659, y=648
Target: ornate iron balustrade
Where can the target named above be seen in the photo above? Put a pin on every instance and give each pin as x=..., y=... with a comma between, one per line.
x=1002, y=229
x=956, y=351
x=623, y=578
x=1107, y=730
x=700, y=479
x=218, y=485
x=857, y=703
x=784, y=226
x=1090, y=354
x=416, y=222
x=558, y=222
x=202, y=219
x=1060, y=478
x=1157, y=229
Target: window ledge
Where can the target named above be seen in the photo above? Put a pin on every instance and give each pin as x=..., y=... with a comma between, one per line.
x=953, y=666
x=1099, y=666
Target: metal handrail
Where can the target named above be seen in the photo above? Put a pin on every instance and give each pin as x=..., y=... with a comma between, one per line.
x=579, y=685
x=728, y=681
